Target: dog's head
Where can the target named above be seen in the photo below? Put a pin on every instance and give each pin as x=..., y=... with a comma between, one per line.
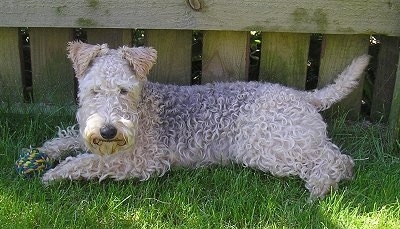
x=110, y=84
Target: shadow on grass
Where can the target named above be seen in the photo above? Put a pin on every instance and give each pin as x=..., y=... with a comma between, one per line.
x=211, y=197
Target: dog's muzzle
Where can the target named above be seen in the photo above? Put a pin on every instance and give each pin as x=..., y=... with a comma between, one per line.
x=108, y=141
x=105, y=137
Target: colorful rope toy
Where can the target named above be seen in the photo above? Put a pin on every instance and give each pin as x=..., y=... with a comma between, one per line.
x=32, y=162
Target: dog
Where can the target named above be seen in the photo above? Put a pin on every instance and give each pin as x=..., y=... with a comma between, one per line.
x=129, y=127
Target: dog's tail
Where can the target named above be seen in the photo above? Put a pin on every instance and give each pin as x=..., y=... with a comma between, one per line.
x=323, y=98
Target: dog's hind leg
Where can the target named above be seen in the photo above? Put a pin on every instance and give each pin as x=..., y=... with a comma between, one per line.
x=326, y=171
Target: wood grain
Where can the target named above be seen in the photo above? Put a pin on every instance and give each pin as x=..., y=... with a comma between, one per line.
x=225, y=56
x=52, y=74
x=174, y=49
x=11, y=88
x=303, y=16
x=284, y=58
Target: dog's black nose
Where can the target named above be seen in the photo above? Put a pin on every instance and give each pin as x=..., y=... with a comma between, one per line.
x=108, y=132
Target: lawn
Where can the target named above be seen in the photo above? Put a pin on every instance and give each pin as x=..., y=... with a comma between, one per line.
x=212, y=197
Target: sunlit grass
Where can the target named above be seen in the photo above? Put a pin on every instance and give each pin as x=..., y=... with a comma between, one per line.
x=213, y=197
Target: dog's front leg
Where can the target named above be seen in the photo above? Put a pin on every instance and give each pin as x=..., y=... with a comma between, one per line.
x=92, y=166
x=83, y=166
x=67, y=142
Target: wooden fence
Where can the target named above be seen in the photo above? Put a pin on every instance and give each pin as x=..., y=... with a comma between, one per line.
x=285, y=26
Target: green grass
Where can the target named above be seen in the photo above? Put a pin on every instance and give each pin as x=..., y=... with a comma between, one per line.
x=213, y=197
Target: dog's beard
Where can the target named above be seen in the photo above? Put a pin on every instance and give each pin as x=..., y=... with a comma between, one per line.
x=123, y=140
x=102, y=146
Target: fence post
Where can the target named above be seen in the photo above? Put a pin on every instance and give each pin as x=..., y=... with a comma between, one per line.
x=174, y=49
x=11, y=86
x=52, y=75
x=284, y=58
x=394, y=118
x=225, y=56
x=385, y=78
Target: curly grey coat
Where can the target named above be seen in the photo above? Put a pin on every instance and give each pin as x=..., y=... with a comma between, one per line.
x=132, y=128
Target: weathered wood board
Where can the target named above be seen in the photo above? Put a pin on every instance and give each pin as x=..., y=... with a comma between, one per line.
x=11, y=87
x=284, y=58
x=174, y=61
x=225, y=56
x=52, y=74
x=337, y=52
x=303, y=16
x=385, y=78
x=394, y=118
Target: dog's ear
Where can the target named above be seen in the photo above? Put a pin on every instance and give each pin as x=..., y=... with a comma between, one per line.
x=141, y=59
x=81, y=54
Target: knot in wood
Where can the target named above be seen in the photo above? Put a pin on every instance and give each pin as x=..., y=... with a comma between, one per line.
x=195, y=4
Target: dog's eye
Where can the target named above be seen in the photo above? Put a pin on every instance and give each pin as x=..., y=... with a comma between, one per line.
x=123, y=91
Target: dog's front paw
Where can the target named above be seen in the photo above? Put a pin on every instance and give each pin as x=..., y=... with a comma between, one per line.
x=73, y=168
x=61, y=171
x=49, y=176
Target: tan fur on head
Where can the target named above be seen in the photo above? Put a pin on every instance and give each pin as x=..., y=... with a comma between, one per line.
x=81, y=54
x=140, y=58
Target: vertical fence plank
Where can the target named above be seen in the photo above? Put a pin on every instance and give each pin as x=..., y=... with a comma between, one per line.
x=337, y=52
x=225, y=56
x=113, y=37
x=284, y=58
x=174, y=48
x=394, y=117
x=52, y=75
x=385, y=77
x=11, y=89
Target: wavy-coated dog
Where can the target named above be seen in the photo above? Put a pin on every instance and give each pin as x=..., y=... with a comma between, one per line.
x=132, y=128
